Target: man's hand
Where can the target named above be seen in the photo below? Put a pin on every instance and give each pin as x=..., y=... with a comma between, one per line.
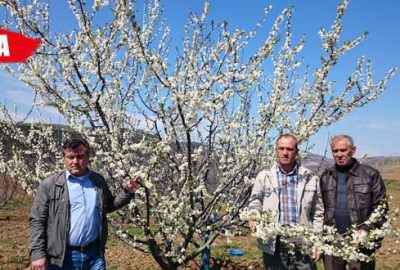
x=40, y=264
x=253, y=224
x=360, y=236
x=361, y=232
x=316, y=255
x=132, y=185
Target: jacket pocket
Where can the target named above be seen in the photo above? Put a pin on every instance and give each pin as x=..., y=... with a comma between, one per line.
x=363, y=195
x=56, y=204
x=309, y=195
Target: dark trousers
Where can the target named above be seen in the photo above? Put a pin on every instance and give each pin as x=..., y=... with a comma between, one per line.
x=336, y=263
x=282, y=260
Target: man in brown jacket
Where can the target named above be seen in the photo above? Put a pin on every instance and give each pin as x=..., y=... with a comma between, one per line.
x=351, y=192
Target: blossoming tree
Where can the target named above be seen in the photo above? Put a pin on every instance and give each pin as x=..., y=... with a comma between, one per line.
x=194, y=124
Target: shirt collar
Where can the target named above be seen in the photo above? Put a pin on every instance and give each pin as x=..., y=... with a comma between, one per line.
x=68, y=175
x=294, y=171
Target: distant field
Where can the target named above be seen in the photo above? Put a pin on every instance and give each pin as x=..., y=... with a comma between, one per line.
x=391, y=174
x=389, y=167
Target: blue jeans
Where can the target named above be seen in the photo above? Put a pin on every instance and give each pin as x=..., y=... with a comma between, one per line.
x=86, y=260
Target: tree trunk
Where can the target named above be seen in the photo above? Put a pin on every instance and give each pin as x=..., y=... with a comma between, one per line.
x=164, y=263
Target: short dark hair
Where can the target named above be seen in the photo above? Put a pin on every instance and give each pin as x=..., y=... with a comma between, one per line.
x=74, y=143
x=288, y=135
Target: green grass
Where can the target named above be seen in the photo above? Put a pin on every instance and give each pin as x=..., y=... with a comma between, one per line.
x=226, y=246
x=18, y=260
x=392, y=185
x=138, y=231
x=4, y=214
x=5, y=241
x=9, y=210
x=112, y=267
x=394, y=267
x=222, y=250
x=16, y=203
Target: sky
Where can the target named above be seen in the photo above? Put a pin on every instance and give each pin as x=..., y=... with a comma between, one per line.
x=375, y=127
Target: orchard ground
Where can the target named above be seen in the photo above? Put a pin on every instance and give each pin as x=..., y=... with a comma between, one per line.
x=14, y=243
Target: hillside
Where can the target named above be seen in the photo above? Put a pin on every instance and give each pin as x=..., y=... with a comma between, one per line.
x=388, y=166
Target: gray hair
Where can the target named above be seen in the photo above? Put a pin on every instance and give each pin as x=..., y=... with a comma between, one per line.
x=288, y=135
x=341, y=137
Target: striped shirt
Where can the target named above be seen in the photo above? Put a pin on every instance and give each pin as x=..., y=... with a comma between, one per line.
x=287, y=195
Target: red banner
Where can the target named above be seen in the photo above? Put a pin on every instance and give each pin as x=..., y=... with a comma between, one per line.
x=16, y=48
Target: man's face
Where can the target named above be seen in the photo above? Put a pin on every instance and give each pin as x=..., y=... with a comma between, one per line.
x=76, y=160
x=286, y=151
x=342, y=152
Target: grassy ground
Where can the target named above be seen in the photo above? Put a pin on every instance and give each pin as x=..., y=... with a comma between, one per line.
x=14, y=244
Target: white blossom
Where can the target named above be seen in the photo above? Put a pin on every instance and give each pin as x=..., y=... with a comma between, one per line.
x=194, y=124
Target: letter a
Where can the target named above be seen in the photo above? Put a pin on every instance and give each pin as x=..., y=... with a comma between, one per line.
x=4, y=51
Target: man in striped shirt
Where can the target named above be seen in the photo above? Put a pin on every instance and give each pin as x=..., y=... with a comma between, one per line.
x=293, y=191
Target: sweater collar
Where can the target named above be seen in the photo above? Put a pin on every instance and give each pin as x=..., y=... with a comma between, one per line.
x=352, y=168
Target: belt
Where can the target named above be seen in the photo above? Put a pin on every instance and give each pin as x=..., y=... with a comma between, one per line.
x=84, y=248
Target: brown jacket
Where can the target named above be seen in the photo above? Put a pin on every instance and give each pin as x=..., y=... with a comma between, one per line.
x=365, y=189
